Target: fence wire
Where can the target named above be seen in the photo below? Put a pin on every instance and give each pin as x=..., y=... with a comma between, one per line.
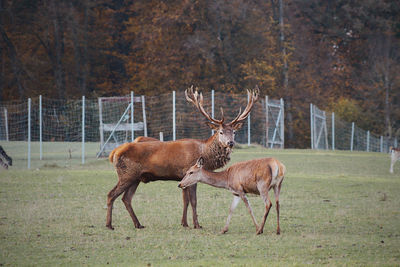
x=61, y=123
x=343, y=135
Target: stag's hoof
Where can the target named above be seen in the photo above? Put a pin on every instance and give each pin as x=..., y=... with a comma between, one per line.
x=198, y=227
x=140, y=227
x=185, y=225
x=110, y=227
x=259, y=231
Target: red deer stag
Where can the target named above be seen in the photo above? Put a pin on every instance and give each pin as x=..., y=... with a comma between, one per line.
x=254, y=176
x=150, y=160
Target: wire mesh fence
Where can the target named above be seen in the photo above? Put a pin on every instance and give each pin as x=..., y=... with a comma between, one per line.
x=328, y=131
x=58, y=130
x=61, y=129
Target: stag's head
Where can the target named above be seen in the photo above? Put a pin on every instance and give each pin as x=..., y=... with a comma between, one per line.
x=193, y=175
x=225, y=132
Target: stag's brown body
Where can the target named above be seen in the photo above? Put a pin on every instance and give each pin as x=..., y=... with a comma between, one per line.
x=147, y=160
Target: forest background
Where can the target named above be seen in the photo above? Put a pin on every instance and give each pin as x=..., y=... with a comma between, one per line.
x=341, y=55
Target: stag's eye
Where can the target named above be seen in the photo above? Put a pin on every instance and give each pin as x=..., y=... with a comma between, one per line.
x=234, y=132
x=221, y=132
x=190, y=172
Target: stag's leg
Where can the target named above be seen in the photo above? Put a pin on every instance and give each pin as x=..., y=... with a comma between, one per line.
x=277, y=190
x=127, y=199
x=185, y=197
x=193, y=203
x=234, y=204
x=246, y=201
x=112, y=195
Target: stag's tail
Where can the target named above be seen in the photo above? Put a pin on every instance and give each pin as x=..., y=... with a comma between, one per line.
x=117, y=152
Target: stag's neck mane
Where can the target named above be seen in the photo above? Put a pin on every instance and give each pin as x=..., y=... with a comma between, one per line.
x=215, y=155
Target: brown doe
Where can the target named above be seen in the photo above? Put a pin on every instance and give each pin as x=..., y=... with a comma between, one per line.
x=148, y=160
x=256, y=176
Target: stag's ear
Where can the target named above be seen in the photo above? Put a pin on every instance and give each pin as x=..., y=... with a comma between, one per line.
x=237, y=126
x=200, y=162
x=212, y=125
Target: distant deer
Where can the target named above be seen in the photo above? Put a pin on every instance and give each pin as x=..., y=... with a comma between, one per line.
x=256, y=176
x=5, y=160
x=394, y=156
x=149, y=160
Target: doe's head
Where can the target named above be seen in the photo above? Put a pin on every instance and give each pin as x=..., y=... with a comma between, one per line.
x=193, y=175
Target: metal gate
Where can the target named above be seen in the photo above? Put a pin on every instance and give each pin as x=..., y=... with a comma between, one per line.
x=319, y=133
x=118, y=126
x=274, y=115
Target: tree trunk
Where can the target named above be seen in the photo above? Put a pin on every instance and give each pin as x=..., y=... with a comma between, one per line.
x=285, y=74
x=58, y=31
x=15, y=62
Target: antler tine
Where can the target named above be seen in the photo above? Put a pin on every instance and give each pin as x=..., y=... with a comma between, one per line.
x=190, y=89
x=253, y=96
x=197, y=100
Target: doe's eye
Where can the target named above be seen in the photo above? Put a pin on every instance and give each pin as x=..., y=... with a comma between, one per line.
x=190, y=172
x=221, y=133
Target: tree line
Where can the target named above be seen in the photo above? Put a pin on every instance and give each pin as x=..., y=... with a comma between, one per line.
x=340, y=55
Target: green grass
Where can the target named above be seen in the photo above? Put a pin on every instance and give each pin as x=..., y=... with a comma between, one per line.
x=337, y=208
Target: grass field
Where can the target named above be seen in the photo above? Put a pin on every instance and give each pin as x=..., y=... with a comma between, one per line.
x=337, y=208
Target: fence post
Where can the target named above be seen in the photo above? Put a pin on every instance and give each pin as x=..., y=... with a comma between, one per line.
x=248, y=123
x=40, y=128
x=266, y=121
x=212, y=108
x=368, y=141
x=312, y=125
x=282, y=123
x=161, y=136
x=352, y=136
x=144, y=116
x=101, y=121
x=29, y=132
x=132, y=118
x=326, y=131
x=333, y=130
x=173, y=117
x=83, y=130
x=381, y=143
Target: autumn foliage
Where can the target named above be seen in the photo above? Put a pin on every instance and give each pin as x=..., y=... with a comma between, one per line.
x=340, y=55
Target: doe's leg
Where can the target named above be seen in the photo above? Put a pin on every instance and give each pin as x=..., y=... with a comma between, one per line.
x=193, y=203
x=234, y=204
x=246, y=201
x=277, y=191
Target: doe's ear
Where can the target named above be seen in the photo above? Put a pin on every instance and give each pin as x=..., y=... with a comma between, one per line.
x=237, y=126
x=200, y=162
x=212, y=125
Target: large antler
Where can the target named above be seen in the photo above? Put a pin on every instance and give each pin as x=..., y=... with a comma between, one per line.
x=197, y=99
x=252, y=96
